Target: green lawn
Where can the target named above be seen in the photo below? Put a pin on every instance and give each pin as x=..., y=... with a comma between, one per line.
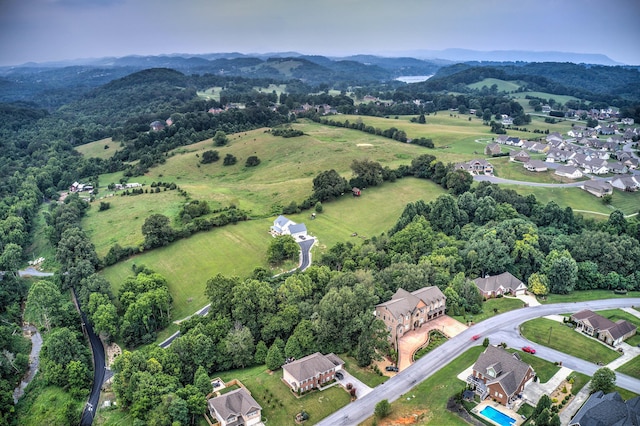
x=631, y=368
x=104, y=148
x=581, y=296
x=545, y=370
x=503, y=86
x=428, y=400
x=279, y=405
x=564, y=339
x=492, y=307
x=366, y=375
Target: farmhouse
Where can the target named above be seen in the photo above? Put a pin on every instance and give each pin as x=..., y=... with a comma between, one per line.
x=80, y=187
x=312, y=371
x=236, y=408
x=500, y=375
x=598, y=188
x=569, y=172
x=408, y=311
x=285, y=226
x=505, y=283
x=594, y=325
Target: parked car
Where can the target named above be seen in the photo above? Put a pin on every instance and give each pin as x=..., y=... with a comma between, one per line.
x=476, y=337
x=528, y=349
x=391, y=368
x=339, y=375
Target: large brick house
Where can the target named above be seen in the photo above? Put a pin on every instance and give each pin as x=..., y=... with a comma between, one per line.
x=500, y=375
x=310, y=372
x=408, y=311
x=236, y=408
x=594, y=325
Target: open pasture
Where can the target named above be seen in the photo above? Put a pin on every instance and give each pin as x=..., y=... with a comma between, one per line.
x=104, y=148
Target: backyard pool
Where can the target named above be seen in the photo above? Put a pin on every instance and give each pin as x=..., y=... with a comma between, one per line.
x=497, y=417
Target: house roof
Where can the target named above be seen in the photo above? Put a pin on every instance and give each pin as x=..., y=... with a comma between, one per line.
x=537, y=164
x=281, y=221
x=598, y=185
x=312, y=365
x=297, y=228
x=403, y=302
x=490, y=284
x=236, y=403
x=608, y=410
x=600, y=323
x=510, y=370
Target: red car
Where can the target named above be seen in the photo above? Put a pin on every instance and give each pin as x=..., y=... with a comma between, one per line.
x=476, y=337
x=528, y=349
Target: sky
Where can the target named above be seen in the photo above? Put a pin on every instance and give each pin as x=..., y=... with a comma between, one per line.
x=53, y=30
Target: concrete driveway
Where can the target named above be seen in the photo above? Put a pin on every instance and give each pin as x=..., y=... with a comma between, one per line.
x=361, y=388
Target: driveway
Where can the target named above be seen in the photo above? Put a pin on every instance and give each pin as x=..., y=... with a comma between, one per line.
x=414, y=339
x=361, y=388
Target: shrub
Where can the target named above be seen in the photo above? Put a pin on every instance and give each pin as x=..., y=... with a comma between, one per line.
x=383, y=408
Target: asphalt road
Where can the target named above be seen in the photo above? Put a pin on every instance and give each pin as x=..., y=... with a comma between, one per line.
x=305, y=253
x=99, y=371
x=501, y=328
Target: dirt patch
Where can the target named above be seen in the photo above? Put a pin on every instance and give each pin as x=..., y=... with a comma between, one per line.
x=112, y=352
x=364, y=144
x=412, y=418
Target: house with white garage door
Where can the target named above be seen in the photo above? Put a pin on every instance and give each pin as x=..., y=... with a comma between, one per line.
x=505, y=283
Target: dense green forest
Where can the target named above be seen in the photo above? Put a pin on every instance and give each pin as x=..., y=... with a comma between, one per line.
x=467, y=233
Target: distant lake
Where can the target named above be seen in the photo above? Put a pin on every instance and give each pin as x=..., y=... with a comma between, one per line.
x=414, y=78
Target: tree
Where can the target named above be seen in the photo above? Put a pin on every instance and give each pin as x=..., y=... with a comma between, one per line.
x=367, y=172
x=261, y=353
x=282, y=248
x=202, y=381
x=157, y=231
x=240, y=346
x=209, y=156
x=383, y=408
x=328, y=185
x=561, y=270
x=229, y=160
x=538, y=284
x=44, y=305
x=252, y=161
x=220, y=138
x=458, y=181
x=275, y=359
x=11, y=258
x=604, y=379
x=219, y=291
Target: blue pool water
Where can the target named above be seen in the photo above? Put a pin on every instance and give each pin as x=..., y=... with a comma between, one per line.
x=498, y=417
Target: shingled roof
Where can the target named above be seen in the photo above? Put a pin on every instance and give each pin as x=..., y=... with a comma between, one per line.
x=404, y=303
x=608, y=410
x=237, y=403
x=509, y=370
x=312, y=365
x=600, y=323
x=492, y=283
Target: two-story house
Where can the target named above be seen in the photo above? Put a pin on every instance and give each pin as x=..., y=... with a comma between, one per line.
x=236, y=408
x=312, y=371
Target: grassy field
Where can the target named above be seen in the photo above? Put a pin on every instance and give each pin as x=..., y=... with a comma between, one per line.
x=545, y=370
x=365, y=375
x=104, y=148
x=279, y=405
x=631, y=368
x=564, y=339
x=427, y=402
x=47, y=405
x=492, y=307
x=503, y=86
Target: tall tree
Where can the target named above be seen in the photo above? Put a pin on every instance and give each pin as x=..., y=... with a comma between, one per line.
x=604, y=379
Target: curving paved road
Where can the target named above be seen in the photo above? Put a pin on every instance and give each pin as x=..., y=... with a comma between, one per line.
x=500, y=328
x=495, y=179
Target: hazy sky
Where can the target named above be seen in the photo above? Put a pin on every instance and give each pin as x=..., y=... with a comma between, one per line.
x=45, y=30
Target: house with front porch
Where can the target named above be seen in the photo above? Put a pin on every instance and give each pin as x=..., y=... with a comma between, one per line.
x=500, y=375
x=408, y=311
x=236, y=408
x=497, y=285
x=311, y=372
x=594, y=325
x=476, y=167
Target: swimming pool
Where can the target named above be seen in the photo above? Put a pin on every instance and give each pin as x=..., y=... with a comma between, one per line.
x=497, y=416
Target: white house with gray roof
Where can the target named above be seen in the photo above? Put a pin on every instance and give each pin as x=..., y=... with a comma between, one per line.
x=236, y=408
x=408, y=311
x=285, y=226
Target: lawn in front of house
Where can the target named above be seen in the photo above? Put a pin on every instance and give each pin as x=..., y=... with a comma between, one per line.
x=365, y=374
x=585, y=295
x=428, y=400
x=545, y=370
x=279, y=404
x=631, y=368
x=564, y=339
x=490, y=308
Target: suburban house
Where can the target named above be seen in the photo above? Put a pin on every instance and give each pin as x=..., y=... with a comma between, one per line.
x=500, y=375
x=521, y=156
x=236, y=408
x=609, y=409
x=492, y=149
x=476, y=166
x=408, y=311
x=569, y=172
x=505, y=283
x=535, y=166
x=285, y=226
x=310, y=372
x=599, y=188
x=626, y=183
x=603, y=328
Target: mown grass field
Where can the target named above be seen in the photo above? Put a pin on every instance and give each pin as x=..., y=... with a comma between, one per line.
x=564, y=339
x=104, y=148
x=279, y=405
x=582, y=296
x=502, y=85
x=492, y=307
x=631, y=368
